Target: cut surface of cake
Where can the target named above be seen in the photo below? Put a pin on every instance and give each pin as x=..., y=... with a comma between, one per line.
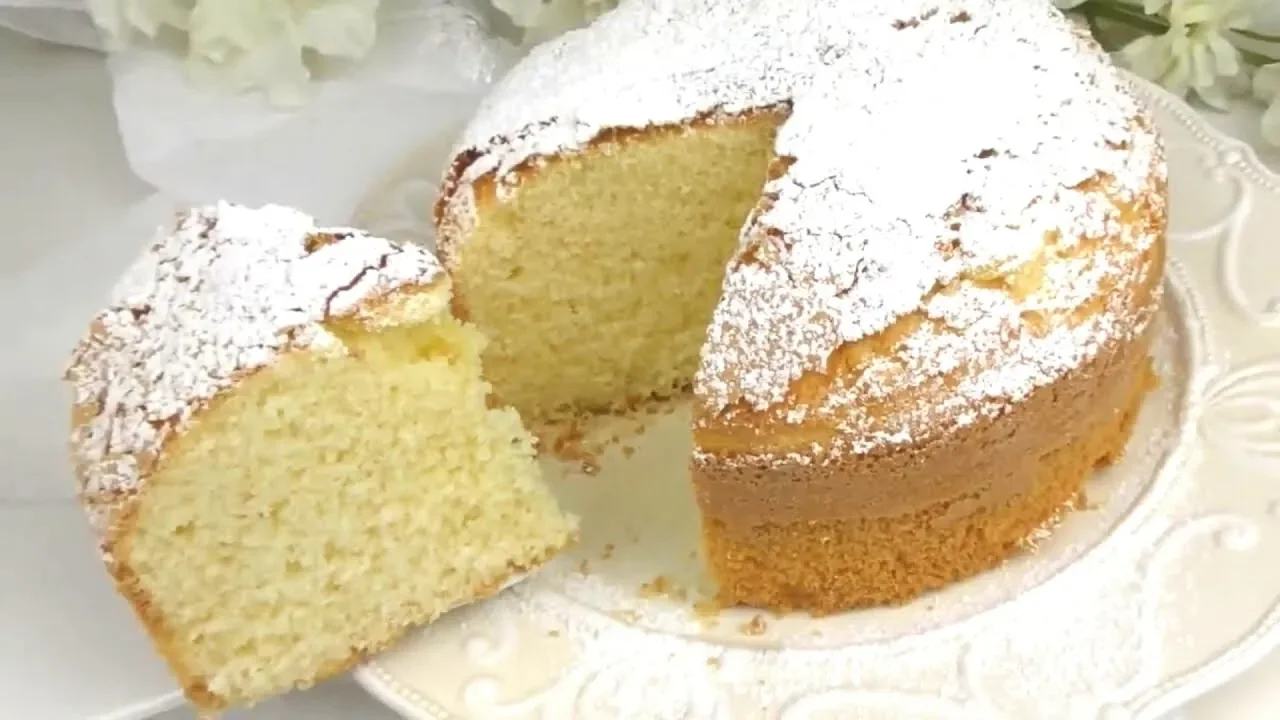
x=289, y=454
x=906, y=254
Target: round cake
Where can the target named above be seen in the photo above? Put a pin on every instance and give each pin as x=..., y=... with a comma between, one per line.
x=907, y=255
x=288, y=453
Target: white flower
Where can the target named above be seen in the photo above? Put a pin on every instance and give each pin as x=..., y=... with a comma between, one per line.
x=1193, y=56
x=544, y=19
x=244, y=44
x=120, y=20
x=1266, y=87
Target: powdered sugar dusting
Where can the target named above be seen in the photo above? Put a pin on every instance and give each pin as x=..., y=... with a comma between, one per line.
x=226, y=292
x=928, y=141
x=988, y=343
x=862, y=230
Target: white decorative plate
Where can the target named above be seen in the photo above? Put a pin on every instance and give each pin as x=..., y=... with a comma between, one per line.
x=1166, y=588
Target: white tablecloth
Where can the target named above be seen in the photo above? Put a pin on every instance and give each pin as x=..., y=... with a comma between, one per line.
x=62, y=174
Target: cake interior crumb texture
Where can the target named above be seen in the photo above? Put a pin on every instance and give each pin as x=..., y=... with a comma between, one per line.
x=597, y=280
x=328, y=504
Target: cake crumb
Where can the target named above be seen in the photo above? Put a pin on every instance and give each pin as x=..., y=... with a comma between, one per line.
x=754, y=627
x=608, y=551
x=567, y=437
x=707, y=612
x=657, y=586
x=584, y=567
x=1031, y=543
x=567, y=440
x=713, y=663
x=662, y=586
x=707, y=607
x=585, y=437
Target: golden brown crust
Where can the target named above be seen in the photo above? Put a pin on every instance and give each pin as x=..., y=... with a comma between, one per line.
x=829, y=563
x=794, y=517
x=991, y=455
x=750, y=463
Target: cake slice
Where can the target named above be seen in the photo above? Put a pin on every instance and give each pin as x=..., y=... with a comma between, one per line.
x=285, y=445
